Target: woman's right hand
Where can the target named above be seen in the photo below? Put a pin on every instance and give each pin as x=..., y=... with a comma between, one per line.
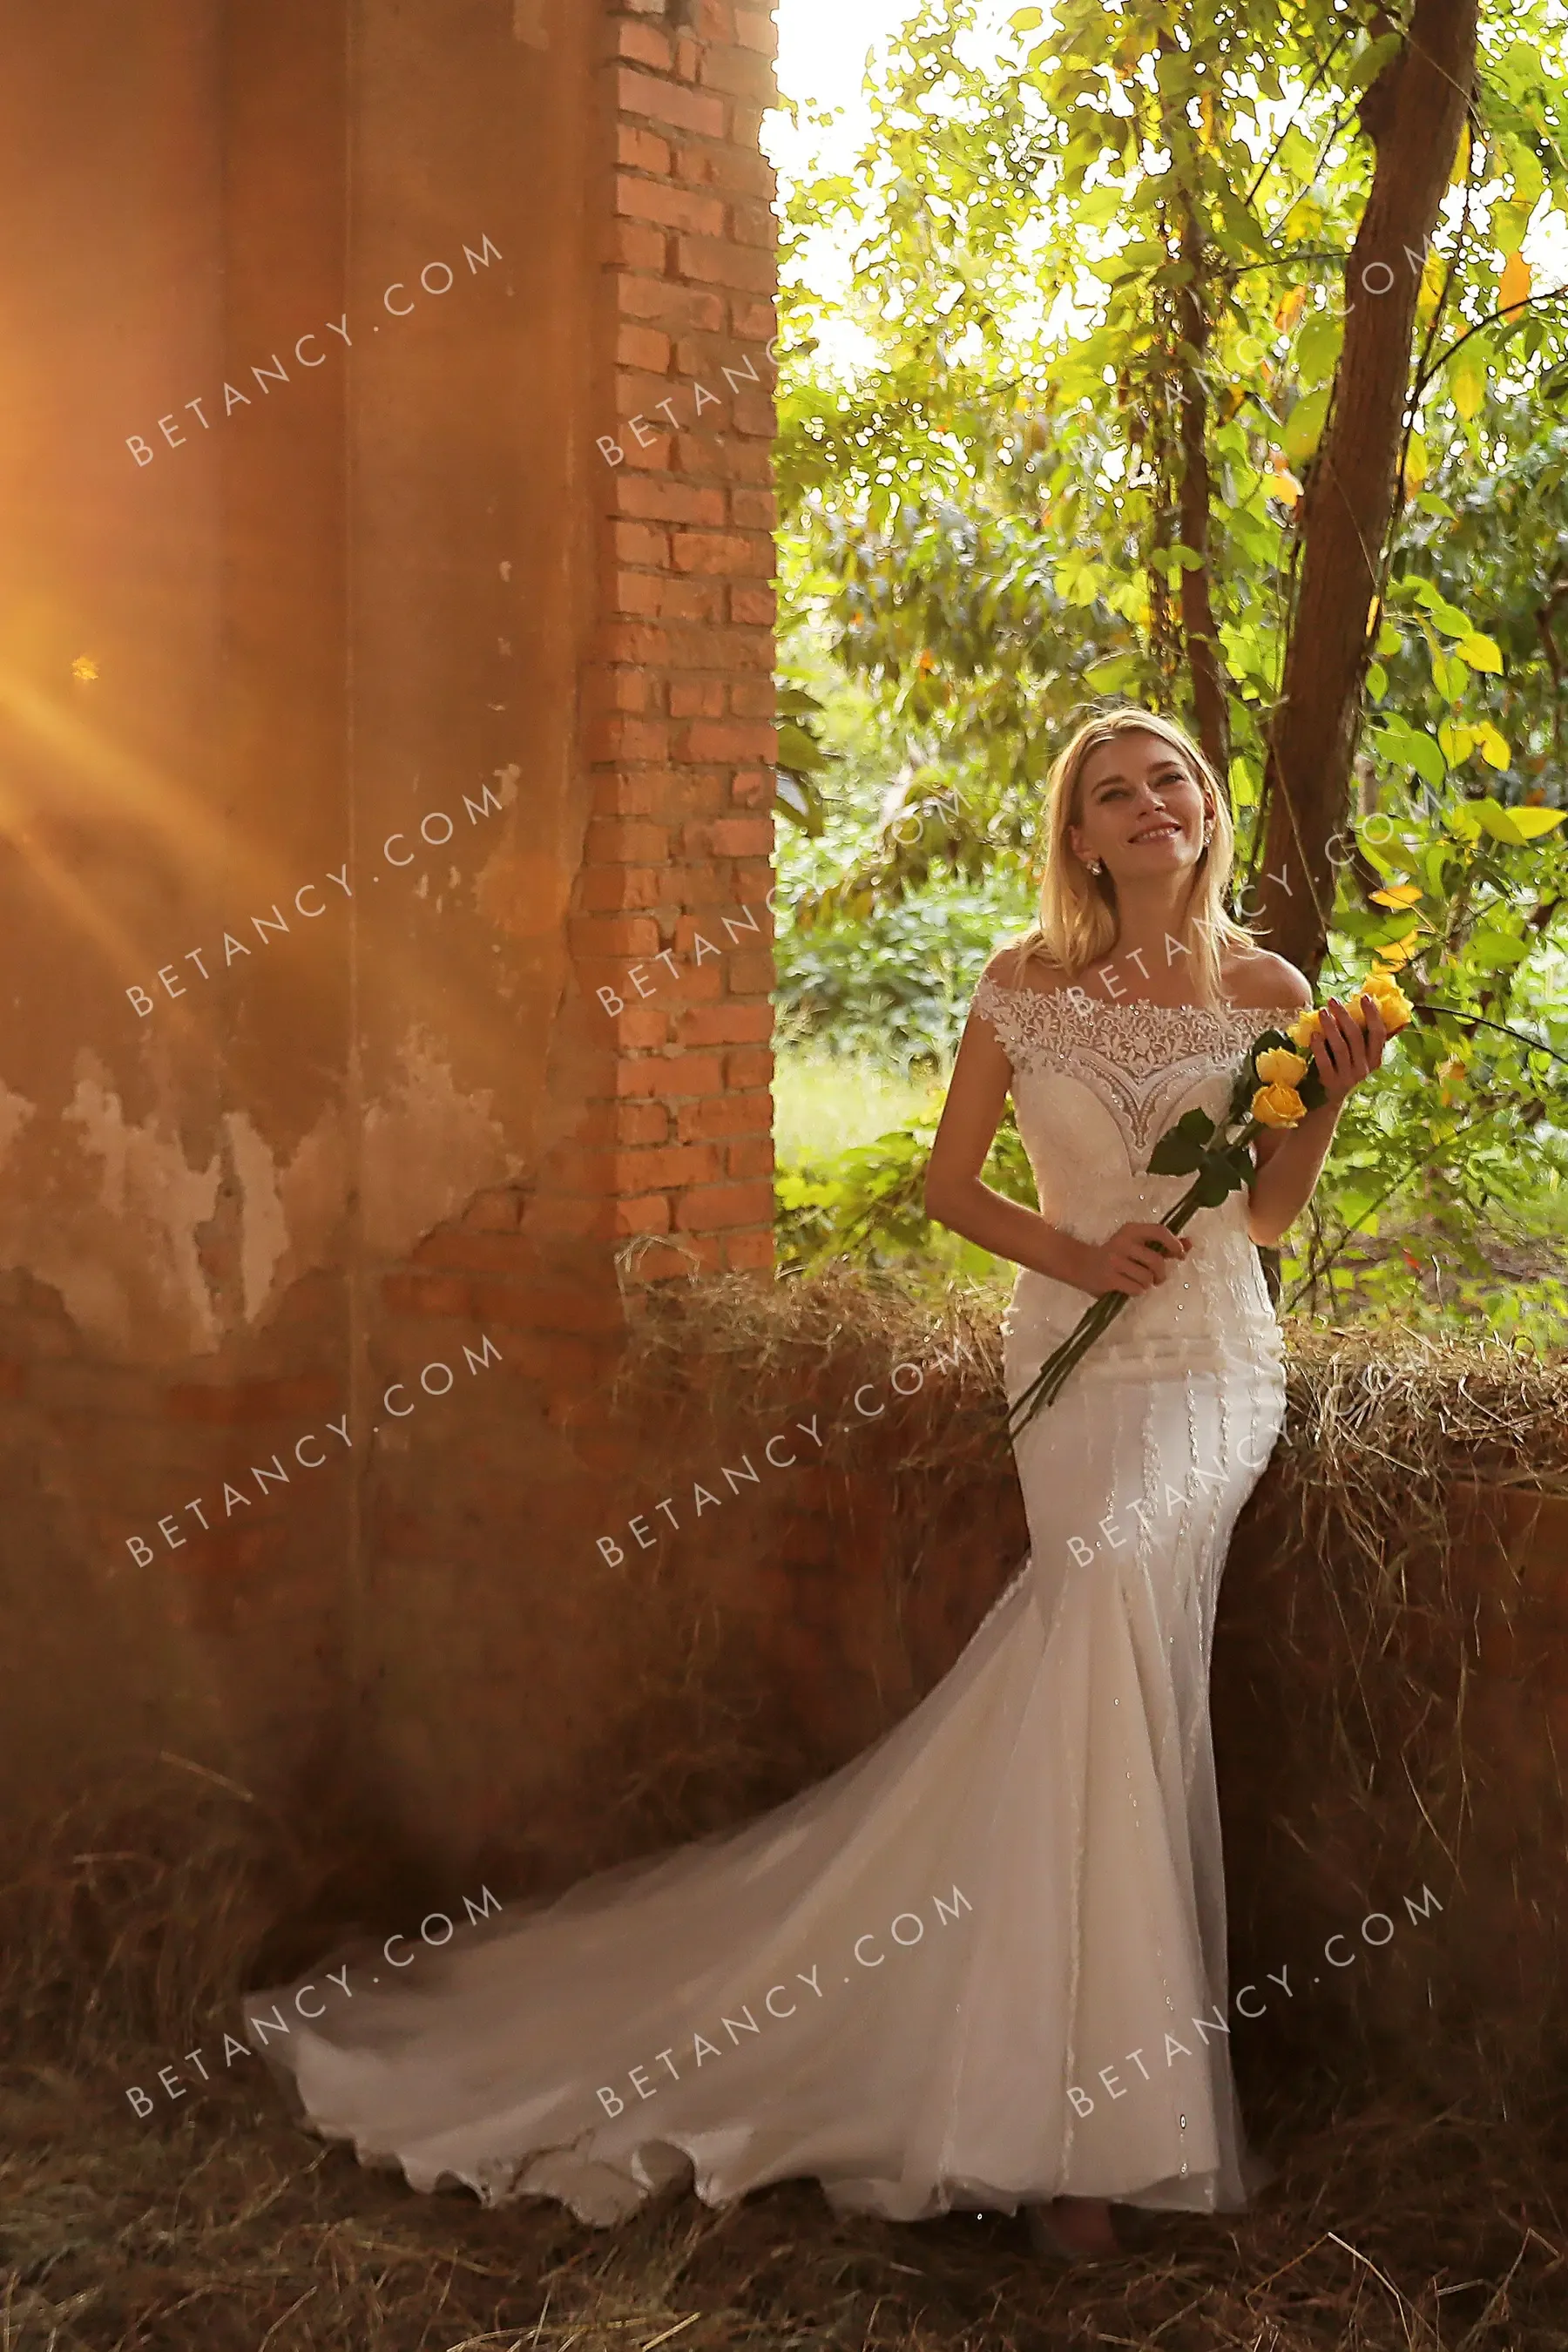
x=1133, y=1260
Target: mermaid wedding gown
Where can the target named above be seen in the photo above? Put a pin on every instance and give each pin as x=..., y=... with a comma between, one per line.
x=984, y=1964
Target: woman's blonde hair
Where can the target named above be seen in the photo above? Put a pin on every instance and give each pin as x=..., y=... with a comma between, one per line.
x=1078, y=921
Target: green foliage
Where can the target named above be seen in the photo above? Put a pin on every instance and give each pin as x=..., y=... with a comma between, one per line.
x=1122, y=223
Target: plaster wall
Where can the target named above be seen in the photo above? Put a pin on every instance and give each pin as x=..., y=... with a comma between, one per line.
x=320, y=830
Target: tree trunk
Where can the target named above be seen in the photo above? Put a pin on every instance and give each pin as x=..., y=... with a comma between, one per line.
x=1414, y=113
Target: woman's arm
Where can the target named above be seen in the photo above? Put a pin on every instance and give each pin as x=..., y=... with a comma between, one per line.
x=1137, y=1255
x=1290, y=1163
x=955, y=1195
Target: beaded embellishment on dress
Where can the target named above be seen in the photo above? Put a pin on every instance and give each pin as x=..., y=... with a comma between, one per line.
x=1138, y=1057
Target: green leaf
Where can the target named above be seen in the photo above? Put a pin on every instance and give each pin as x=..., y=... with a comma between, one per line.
x=1480, y=652
x=1467, y=379
x=1496, y=950
x=1366, y=64
x=1304, y=426
x=1318, y=347
x=1026, y=20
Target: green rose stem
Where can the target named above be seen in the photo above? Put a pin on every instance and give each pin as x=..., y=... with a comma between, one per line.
x=1047, y=1382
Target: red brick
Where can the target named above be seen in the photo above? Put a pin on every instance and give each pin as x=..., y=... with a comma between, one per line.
x=641, y=543
x=748, y=1066
x=412, y=1294
x=620, y=688
x=627, y=739
x=642, y=1122
x=688, y=600
x=611, y=934
x=631, y=641
x=642, y=347
x=756, y=31
x=691, y=307
x=741, y=73
x=755, y=788
x=642, y=44
x=753, y=510
x=251, y=1400
x=471, y=1253
x=722, y=552
x=648, y=200
x=697, y=698
x=603, y=887
x=755, y=322
x=663, y=102
x=758, y=606
x=728, y=648
x=728, y=1115
x=748, y=172
x=709, y=1205
x=754, y=225
x=635, y=592
x=632, y=245
x=751, y=973
x=747, y=1250
x=639, y=1025
x=754, y=413
x=742, y=836
x=628, y=1174
x=642, y=150
x=713, y=261
x=671, y=500
x=750, y=697
x=660, y=1264
x=751, y=1155
x=610, y=842
x=729, y=1023
x=727, y=740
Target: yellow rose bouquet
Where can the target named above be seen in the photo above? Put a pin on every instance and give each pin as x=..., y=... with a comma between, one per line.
x=1276, y=1085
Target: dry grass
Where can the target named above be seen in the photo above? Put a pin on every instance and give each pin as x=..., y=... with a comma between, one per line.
x=1420, y=2202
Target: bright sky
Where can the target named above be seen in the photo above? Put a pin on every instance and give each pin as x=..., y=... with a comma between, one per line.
x=822, y=54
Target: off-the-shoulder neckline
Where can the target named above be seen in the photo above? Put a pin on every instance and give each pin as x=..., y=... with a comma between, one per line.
x=1141, y=1003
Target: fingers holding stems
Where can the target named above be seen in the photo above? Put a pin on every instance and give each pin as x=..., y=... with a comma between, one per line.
x=1344, y=1051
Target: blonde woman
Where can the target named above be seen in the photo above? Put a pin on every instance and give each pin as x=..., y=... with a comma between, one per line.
x=1127, y=1004
x=966, y=1970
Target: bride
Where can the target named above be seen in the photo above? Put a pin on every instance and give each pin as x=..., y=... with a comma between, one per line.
x=983, y=1964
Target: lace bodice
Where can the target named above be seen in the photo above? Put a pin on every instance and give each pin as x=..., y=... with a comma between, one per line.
x=1096, y=1082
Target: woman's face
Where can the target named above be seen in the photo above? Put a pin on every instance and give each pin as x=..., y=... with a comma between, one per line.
x=1143, y=811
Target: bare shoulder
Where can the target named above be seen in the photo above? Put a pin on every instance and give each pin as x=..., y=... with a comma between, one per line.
x=1013, y=967
x=1259, y=978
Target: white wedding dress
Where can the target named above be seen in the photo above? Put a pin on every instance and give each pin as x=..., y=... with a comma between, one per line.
x=969, y=1969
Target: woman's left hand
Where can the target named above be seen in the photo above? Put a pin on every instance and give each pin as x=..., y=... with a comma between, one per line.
x=1344, y=1051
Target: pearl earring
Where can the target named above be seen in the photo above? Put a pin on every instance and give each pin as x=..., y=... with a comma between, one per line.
x=1097, y=866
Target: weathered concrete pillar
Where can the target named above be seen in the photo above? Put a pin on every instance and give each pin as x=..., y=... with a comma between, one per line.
x=368, y=737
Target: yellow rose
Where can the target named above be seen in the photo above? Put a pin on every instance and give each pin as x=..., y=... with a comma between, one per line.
x=1278, y=1106
x=1304, y=1028
x=1279, y=1068
x=1391, y=1001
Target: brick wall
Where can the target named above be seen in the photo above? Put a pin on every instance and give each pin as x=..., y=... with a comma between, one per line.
x=670, y=926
